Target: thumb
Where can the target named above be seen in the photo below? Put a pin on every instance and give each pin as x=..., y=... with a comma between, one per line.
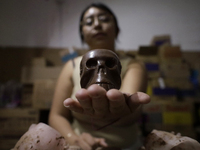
x=101, y=142
x=137, y=99
x=140, y=98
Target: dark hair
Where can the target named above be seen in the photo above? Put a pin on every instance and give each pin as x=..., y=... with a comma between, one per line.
x=100, y=6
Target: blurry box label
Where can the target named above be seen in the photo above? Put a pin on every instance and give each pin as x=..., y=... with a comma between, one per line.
x=177, y=118
x=153, y=112
x=164, y=92
x=179, y=113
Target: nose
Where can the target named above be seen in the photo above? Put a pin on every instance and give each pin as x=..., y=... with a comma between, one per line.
x=97, y=23
x=101, y=67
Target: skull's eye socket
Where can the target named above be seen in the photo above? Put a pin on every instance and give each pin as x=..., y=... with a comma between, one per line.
x=110, y=63
x=91, y=63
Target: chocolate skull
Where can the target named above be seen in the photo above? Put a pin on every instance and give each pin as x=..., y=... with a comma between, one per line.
x=102, y=67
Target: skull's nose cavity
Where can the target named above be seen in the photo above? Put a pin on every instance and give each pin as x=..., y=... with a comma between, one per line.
x=102, y=70
x=101, y=67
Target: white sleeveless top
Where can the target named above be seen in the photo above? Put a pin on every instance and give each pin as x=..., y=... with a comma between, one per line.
x=114, y=135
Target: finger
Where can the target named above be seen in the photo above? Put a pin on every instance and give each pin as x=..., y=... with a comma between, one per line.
x=138, y=99
x=117, y=102
x=84, y=145
x=73, y=105
x=88, y=139
x=85, y=101
x=99, y=99
x=101, y=142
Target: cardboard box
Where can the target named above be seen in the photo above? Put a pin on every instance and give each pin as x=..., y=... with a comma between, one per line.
x=15, y=122
x=153, y=112
x=148, y=50
x=153, y=70
x=8, y=143
x=30, y=74
x=153, y=74
x=131, y=53
x=169, y=112
x=178, y=113
x=43, y=92
x=170, y=54
x=164, y=98
x=191, y=57
x=173, y=83
x=27, y=94
x=164, y=91
x=177, y=70
x=149, y=59
x=167, y=51
x=152, y=66
x=51, y=55
x=148, y=54
x=39, y=62
x=160, y=40
x=13, y=58
x=169, y=116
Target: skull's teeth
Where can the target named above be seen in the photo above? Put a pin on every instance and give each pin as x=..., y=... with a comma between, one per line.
x=106, y=86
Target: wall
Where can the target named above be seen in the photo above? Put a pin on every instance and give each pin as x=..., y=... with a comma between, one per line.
x=54, y=23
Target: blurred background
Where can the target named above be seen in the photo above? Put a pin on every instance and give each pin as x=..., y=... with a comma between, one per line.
x=54, y=23
x=37, y=37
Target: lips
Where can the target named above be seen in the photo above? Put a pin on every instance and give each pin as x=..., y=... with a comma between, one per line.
x=100, y=34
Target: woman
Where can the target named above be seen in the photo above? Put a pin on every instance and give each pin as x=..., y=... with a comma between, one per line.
x=86, y=107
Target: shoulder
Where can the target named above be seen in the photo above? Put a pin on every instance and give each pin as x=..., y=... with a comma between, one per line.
x=137, y=64
x=67, y=70
x=72, y=63
x=76, y=61
x=129, y=63
x=78, y=58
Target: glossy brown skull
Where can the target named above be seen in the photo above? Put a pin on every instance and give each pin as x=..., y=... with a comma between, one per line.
x=102, y=67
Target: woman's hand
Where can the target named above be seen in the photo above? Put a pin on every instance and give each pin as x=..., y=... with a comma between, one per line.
x=87, y=142
x=109, y=105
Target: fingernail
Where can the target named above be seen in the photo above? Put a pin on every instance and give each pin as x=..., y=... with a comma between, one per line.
x=67, y=106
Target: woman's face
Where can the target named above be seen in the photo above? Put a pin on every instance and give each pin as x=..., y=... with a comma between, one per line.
x=99, y=30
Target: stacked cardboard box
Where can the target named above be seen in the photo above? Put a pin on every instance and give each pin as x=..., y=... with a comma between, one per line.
x=42, y=75
x=27, y=95
x=43, y=93
x=193, y=59
x=159, y=40
x=174, y=73
x=8, y=143
x=37, y=69
x=170, y=116
x=149, y=55
x=171, y=90
x=14, y=123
